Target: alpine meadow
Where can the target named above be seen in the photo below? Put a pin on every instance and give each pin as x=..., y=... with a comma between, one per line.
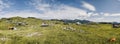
x=59, y=21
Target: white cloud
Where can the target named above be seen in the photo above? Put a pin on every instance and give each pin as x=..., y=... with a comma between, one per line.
x=3, y=5
x=88, y=6
x=59, y=11
x=40, y=5
x=114, y=14
x=93, y=14
x=43, y=7
x=50, y=11
x=67, y=12
x=53, y=11
x=106, y=14
x=19, y=13
x=107, y=17
x=64, y=12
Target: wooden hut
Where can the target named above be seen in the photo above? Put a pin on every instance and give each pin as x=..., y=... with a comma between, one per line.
x=44, y=25
x=116, y=25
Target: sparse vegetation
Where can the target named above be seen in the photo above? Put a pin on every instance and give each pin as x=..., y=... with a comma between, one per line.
x=33, y=33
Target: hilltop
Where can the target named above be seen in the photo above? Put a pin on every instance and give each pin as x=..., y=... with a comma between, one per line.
x=37, y=31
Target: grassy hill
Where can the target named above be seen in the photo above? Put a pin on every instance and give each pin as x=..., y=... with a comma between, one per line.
x=55, y=33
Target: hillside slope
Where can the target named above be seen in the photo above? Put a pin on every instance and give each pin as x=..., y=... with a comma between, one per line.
x=30, y=31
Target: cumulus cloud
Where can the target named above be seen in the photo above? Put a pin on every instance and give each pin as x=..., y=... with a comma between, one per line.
x=106, y=17
x=106, y=14
x=59, y=11
x=88, y=6
x=52, y=11
x=116, y=14
x=113, y=14
x=67, y=12
x=64, y=12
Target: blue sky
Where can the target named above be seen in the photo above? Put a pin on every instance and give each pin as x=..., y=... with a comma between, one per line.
x=94, y=10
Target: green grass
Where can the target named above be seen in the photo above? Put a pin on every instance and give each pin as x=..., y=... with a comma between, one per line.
x=33, y=33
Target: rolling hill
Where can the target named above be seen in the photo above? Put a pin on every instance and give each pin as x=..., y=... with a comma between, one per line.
x=17, y=30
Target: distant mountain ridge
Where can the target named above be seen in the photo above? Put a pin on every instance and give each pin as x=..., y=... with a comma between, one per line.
x=62, y=20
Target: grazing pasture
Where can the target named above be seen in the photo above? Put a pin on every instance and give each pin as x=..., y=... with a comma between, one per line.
x=33, y=33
